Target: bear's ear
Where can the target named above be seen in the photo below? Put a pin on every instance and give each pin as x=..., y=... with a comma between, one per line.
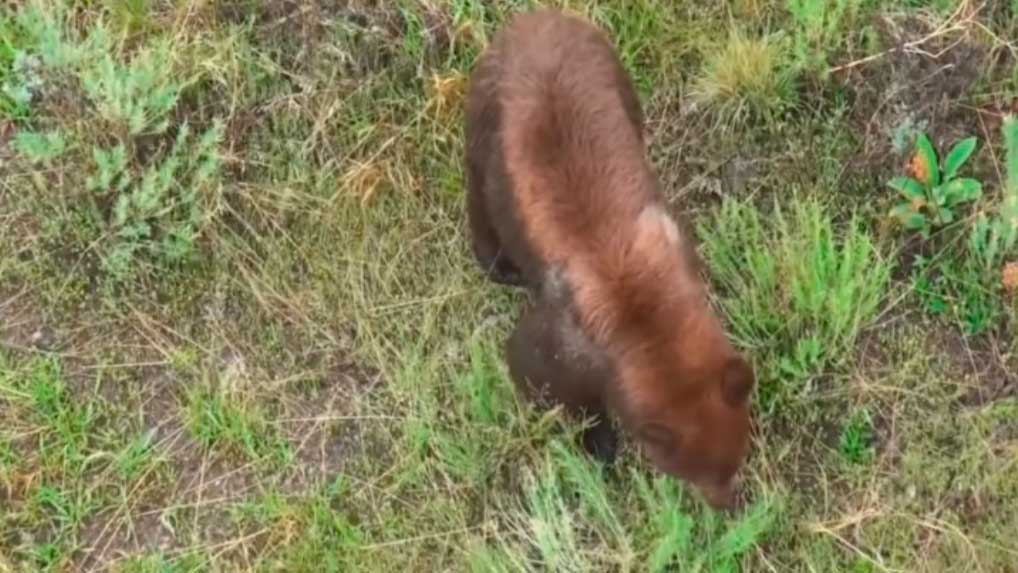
x=737, y=382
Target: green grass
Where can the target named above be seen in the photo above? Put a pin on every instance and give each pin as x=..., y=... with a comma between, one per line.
x=799, y=289
x=218, y=419
x=571, y=519
x=856, y=436
x=260, y=343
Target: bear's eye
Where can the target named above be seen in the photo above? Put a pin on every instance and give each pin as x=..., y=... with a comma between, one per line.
x=657, y=434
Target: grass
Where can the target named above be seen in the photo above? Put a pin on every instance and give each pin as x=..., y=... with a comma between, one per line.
x=744, y=79
x=798, y=292
x=856, y=438
x=241, y=328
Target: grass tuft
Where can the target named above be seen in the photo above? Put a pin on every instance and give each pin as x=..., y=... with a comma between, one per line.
x=744, y=79
x=799, y=289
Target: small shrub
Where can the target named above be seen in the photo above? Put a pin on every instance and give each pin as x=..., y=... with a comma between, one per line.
x=143, y=204
x=796, y=289
x=138, y=94
x=933, y=195
x=161, y=213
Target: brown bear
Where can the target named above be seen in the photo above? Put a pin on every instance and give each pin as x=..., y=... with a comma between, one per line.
x=562, y=200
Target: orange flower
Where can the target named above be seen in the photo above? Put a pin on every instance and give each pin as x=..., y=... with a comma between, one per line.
x=920, y=169
x=1010, y=277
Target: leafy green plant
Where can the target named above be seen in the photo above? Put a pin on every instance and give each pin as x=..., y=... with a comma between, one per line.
x=798, y=288
x=934, y=194
x=856, y=440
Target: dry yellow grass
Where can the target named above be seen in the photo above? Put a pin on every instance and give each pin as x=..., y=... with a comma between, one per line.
x=742, y=77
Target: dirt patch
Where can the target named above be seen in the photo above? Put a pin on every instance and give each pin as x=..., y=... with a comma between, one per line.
x=300, y=33
x=981, y=366
x=21, y=326
x=196, y=505
x=320, y=422
x=325, y=422
x=26, y=330
x=112, y=540
x=692, y=172
x=988, y=373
